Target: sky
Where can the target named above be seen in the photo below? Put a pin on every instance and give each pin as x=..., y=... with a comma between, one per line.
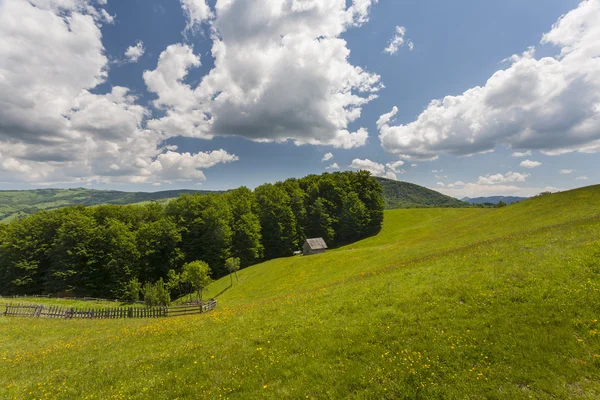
x=469, y=98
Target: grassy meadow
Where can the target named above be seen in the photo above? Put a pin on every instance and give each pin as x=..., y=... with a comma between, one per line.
x=443, y=303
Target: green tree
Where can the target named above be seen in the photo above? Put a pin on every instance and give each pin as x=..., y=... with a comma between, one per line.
x=206, y=228
x=25, y=252
x=197, y=274
x=320, y=222
x=118, y=260
x=245, y=227
x=150, y=292
x=134, y=287
x=74, y=255
x=162, y=293
x=158, y=244
x=277, y=220
x=354, y=219
x=233, y=266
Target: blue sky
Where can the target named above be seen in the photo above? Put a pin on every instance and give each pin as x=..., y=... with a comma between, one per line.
x=241, y=92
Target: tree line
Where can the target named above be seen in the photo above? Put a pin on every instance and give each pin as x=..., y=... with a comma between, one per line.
x=100, y=250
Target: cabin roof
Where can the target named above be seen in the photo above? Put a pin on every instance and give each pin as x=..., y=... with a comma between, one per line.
x=316, y=244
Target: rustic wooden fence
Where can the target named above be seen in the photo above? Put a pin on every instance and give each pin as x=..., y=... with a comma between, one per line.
x=32, y=310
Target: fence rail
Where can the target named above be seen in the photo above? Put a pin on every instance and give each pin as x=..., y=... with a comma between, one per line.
x=37, y=311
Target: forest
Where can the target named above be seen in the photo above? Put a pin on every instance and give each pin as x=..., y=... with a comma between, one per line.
x=98, y=251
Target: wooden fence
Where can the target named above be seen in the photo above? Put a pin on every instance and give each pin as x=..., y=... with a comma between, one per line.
x=32, y=310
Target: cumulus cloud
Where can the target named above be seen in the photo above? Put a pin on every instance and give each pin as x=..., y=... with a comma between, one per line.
x=53, y=127
x=395, y=166
x=133, y=53
x=333, y=166
x=519, y=154
x=500, y=178
x=549, y=103
x=373, y=167
x=390, y=175
x=566, y=171
x=398, y=41
x=327, y=157
x=196, y=12
x=530, y=164
x=281, y=73
x=456, y=184
x=389, y=170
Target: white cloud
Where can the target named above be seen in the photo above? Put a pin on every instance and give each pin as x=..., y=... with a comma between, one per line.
x=456, y=184
x=390, y=175
x=196, y=12
x=133, y=53
x=518, y=154
x=281, y=73
x=333, y=166
x=327, y=157
x=581, y=178
x=53, y=128
x=530, y=164
x=413, y=165
x=566, y=171
x=499, y=178
x=550, y=104
x=398, y=41
x=395, y=166
x=389, y=170
x=373, y=167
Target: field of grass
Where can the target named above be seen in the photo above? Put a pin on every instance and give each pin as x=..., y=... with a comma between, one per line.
x=454, y=303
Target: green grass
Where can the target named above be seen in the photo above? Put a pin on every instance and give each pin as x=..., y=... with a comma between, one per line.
x=468, y=303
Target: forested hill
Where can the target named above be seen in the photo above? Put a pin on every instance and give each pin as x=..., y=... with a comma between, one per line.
x=18, y=203
x=104, y=250
x=408, y=195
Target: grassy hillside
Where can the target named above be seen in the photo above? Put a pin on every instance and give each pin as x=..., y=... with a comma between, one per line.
x=408, y=195
x=18, y=203
x=443, y=303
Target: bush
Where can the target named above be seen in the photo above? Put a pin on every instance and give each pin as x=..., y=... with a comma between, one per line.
x=132, y=291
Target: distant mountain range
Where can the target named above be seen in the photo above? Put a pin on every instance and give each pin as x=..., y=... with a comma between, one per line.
x=493, y=199
x=408, y=195
x=19, y=203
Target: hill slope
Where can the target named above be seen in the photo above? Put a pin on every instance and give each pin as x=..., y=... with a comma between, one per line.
x=408, y=195
x=16, y=203
x=456, y=303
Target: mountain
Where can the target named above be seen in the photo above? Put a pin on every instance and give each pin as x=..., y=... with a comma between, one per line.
x=18, y=203
x=494, y=199
x=408, y=195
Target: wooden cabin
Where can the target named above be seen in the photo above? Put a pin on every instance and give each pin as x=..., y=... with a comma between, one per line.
x=314, y=246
